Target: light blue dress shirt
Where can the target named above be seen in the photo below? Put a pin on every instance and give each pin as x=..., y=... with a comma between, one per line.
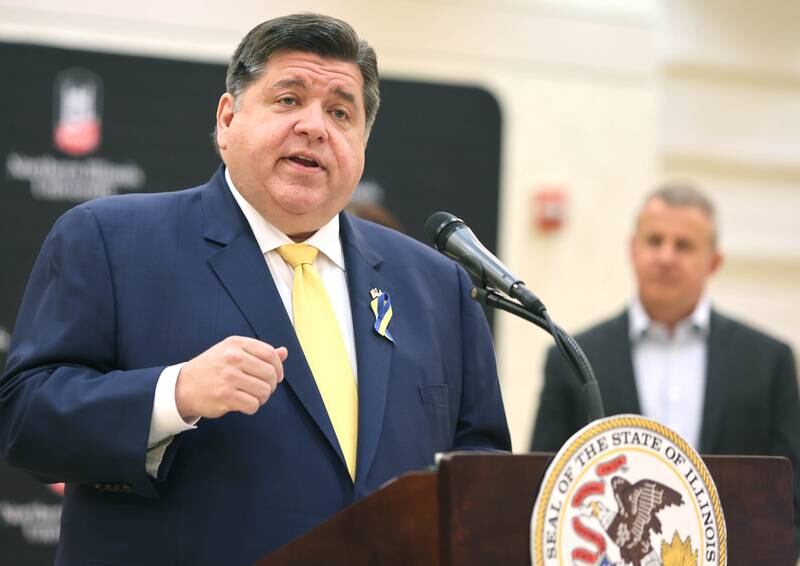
x=670, y=368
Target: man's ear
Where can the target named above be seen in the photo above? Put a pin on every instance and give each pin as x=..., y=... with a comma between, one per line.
x=716, y=262
x=224, y=119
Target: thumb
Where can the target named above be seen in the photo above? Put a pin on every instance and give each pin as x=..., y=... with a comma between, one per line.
x=282, y=352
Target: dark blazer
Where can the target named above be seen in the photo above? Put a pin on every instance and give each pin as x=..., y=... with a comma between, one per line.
x=751, y=400
x=127, y=285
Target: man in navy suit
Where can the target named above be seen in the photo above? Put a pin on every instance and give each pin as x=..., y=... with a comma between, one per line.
x=155, y=367
x=724, y=386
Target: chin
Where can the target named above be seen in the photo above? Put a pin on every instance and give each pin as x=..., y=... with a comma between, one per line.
x=659, y=298
x=662, y=298
x=296, y=199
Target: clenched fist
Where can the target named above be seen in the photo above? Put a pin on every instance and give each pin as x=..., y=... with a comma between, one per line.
x=237, y=374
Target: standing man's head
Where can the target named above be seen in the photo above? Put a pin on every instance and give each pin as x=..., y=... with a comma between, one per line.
x=302, y=95
x=674, y=251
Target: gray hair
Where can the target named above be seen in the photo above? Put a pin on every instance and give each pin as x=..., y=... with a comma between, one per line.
x=310, y=33
x=688, y=195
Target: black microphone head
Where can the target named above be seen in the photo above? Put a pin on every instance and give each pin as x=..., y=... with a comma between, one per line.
x=439, y=226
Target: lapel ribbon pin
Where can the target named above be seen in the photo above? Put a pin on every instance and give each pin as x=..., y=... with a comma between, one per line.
x=382, y=309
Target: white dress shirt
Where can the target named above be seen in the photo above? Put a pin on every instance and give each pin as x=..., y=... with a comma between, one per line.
x=670, y=368
x=165, y=421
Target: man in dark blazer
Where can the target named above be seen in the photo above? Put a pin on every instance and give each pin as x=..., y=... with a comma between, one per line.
x=155, y=368
x=725, y=387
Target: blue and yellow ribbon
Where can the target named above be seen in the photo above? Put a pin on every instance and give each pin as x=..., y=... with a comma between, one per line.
x=382, y=309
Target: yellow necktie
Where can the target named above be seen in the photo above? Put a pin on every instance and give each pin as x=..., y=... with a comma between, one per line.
x=323, y=345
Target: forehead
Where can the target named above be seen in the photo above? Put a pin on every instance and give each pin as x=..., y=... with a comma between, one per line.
x=313, y=71
x=684, y=221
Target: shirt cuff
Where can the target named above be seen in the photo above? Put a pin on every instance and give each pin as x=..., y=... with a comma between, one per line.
x=155, y=455
x=166, y=421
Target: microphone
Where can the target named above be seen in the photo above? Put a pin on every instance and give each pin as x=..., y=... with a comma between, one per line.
x=454, y=239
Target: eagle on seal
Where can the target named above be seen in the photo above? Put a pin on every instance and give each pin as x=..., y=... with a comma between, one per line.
x=631, y=525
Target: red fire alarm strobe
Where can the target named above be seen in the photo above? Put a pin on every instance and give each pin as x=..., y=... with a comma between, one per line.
x=549, y=207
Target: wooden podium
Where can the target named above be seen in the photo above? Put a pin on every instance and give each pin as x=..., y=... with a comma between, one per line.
x=476, y=511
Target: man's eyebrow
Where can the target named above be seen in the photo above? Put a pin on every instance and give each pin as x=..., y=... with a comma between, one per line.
x=300, y=83
x=290, y=83
x=346, y=95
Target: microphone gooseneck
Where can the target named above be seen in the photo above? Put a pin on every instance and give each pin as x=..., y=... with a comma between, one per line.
x=454, y=239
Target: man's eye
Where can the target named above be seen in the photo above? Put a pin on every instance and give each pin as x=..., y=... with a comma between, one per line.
x=287, y=101
x=339, y=114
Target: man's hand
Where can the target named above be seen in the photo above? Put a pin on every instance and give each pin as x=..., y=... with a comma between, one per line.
x=237, y=374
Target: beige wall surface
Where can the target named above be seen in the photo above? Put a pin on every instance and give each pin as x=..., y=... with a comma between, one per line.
x=601, y=97
x=729, y=72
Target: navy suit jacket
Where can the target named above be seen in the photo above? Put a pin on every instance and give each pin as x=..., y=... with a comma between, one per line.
x=751, y=400
x=127, y=285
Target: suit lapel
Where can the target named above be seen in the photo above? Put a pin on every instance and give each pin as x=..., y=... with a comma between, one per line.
x=716, y=370
x=373, y=351
x=242, y=270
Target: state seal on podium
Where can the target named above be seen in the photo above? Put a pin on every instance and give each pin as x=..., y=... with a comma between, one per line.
x=627, y=491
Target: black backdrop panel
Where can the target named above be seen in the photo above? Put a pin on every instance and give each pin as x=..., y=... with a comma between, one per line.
x=76, y=125
x=437, y=147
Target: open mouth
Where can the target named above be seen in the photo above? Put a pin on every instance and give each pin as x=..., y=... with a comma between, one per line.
x=304, y=161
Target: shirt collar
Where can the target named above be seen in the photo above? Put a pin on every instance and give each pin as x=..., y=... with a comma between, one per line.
x=639, y=322
x=326, y=239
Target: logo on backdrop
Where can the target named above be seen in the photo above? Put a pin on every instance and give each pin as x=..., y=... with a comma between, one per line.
x=77, y=133
x=39, y=522
x=76, y=113
x=628, y=491
x=57, y=488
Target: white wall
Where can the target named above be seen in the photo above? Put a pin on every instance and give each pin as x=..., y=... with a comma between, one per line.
x=730, y=96
x=597, y=95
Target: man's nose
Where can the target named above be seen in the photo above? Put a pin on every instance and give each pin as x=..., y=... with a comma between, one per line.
x=311, y=122
x=666, y=253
